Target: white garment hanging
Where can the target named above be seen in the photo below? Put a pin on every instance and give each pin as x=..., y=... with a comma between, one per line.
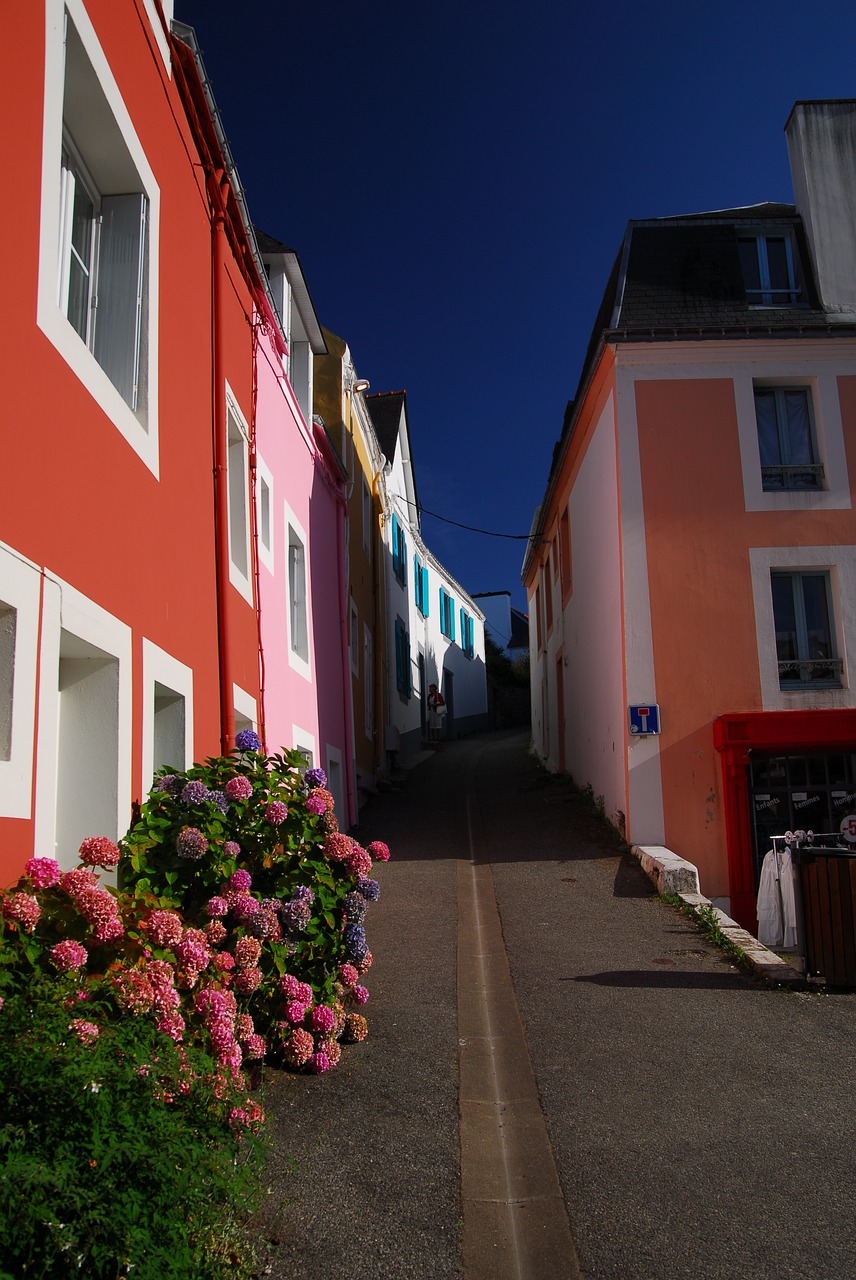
x=777, y=911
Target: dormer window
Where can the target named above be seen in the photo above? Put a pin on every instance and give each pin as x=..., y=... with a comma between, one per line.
x=769, y=275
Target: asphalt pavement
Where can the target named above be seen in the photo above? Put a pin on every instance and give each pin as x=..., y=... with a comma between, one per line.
x=699, y=1123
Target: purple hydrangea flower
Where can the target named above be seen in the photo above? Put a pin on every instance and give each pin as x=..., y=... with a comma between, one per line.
x=231, y=849
x=191, y=843
x=220, y=799
x=170, y=783
x=355, y=905
x=303, y=894
x=315, y=778
x=355, y=942
x=370, y=889
x=247, y=740
x=264, y=924
x=295, y=915
x=194, y=792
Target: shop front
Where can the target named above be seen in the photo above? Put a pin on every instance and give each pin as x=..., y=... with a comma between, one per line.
x=782, y=771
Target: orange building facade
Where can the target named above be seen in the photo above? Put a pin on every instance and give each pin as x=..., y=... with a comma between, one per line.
x=692, y=571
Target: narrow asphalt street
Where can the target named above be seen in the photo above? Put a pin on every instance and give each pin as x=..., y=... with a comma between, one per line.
x=562, y=1078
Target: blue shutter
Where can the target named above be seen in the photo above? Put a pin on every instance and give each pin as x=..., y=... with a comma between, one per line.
x=399, y=665
x=451, y=618
x=396, y=567
x=425, y=595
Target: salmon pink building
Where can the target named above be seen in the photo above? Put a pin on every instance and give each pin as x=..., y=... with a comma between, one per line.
x=692, y=569
x=128, y=620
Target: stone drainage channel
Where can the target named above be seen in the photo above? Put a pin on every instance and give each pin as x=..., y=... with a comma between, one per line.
x=515, y=1222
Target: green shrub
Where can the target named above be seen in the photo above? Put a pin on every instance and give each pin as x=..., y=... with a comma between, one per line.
x=117, y=1156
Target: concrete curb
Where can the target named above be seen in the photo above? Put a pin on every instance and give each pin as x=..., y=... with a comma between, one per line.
x=674, y=875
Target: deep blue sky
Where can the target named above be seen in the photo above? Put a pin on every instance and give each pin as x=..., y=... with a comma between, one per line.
x=457, y=179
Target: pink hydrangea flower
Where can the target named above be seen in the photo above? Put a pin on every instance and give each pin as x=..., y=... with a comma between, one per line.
x=244, y=1026
x=276, y=813
x=348, y=975
x=193, y=950
x=295, y=989
x=247, y=952
x=365, y=964
x=356, y=1027
x=358, y=861
x=134, y=991
x=68, y=955
x=231, y=849
x=315, y=804
x=321, y=1018
x=44, y=873
x=171, y=1024
x=217, y=906
x=240, y=881
x=23, y=909
x=160, y=974
x=85, y=1031
x=337, y=846
x=215, y=932
x=99, y=851
x=108, y=930
x=245, y=906
x=255, y=1047
x=332, y=1048
x=248, y=981
x=224, y=962
x=379, y=851
x=239, y=788
x=164, y=928
x=298, y=1047
x=360, y=994
x=295, y=1012
x=74, y=882
x=319, y=1063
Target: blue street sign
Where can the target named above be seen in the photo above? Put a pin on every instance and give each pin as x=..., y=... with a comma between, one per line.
x=644, y=719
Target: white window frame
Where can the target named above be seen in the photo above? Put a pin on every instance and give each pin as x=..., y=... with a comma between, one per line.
x=246, y=709
x=828, y=432
x=354, y=638
x=334, y=756
x=238, y=497
x=840, y=563
x=264, y=478
x=296, y=660
x=64, y=608
x=770, y=297
x=140, y=432
x=20, y=589
x=306, y=742
x=160, y=667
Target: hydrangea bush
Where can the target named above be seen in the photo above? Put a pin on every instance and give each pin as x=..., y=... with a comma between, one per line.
x=239, y=923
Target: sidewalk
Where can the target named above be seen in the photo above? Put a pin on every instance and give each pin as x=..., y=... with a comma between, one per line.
x=699, y=1121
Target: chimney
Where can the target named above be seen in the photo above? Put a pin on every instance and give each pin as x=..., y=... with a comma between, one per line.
x=822, y=151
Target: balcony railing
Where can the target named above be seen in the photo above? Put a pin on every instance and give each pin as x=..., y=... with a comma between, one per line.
x=805, y=475
x=800, y=671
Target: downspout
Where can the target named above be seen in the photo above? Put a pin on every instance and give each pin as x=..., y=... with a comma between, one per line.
x=221, y=449
x=345, y=648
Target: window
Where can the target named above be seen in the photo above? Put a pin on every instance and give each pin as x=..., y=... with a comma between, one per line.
x=354, y=640
x=403, y=681
x=238, y=491
x=447, y=614
x=167, y=713
x=399, y=551
x=767, y=262
x=420, y=581
x=264, y=514
x=467, y=634
x=805, y=644
x=297, y=610
x=786, y=439
x=98, y=263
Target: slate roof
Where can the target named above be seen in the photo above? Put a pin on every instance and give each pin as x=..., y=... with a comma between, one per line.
x=267, y=244
x=683, y=275
x=385, y=411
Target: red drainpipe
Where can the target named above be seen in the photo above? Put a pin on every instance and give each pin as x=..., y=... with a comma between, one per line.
x=221, y=449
